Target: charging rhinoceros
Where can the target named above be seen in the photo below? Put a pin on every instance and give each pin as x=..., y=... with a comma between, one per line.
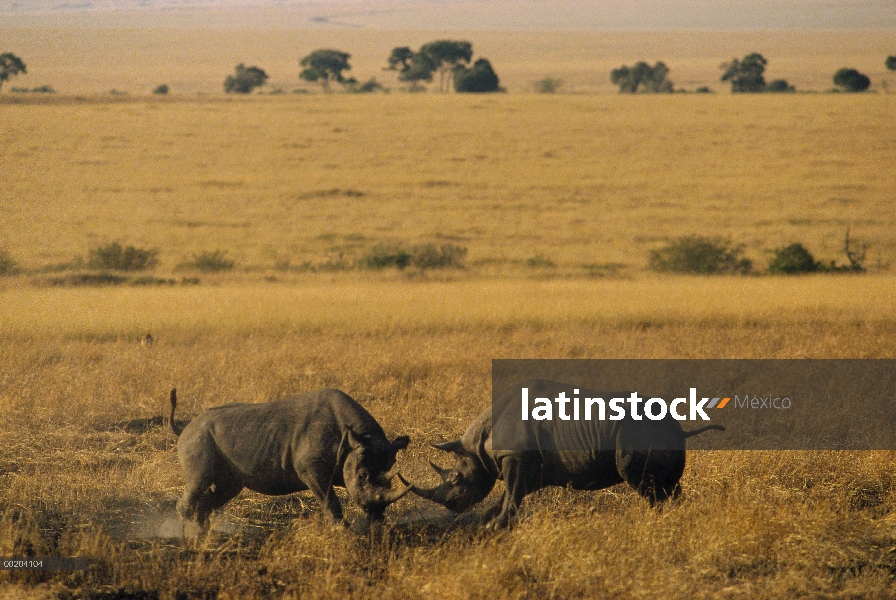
x=311, y=442
x=649, y=455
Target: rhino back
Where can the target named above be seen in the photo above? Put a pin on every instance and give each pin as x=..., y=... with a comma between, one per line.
x=579, y=452
x=265, y=442
x=573, y=435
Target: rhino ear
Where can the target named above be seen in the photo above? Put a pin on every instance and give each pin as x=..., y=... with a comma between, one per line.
x=455, y=447
x=353, y=439
x=401, y=442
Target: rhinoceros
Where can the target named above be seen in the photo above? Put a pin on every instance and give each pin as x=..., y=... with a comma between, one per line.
x=311, y=442
x=649, y=455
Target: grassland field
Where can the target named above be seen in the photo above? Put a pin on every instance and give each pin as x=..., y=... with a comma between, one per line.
x=558, y=200
x=583, y=182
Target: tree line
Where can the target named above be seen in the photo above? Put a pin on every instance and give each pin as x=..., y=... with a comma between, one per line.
x=746, y=75
x=449, y=63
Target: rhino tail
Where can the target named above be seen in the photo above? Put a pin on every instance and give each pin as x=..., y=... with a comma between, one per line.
x=688, y=434
x=176, y=427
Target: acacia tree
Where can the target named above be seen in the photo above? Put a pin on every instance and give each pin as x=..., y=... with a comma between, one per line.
x=642, y=75
x=326, y=66
x=746, y=75
x=851, y=80
x=245, y=79
x=10, y=66
x=445, y=56
x=401, y=60
x=411, y=66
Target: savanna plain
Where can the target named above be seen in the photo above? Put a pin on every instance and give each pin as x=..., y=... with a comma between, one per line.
x=547, y=207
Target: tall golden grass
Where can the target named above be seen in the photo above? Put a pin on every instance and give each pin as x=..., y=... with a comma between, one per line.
x=77, y=482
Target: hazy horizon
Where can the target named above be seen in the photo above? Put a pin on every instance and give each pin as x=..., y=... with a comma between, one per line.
x=460, y=14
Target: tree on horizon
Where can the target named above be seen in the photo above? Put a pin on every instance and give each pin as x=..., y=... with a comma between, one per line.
x=245, y=79
x=444, y=57
x=851, y=80
x=10, y=66
x=326, y=66
x=746, y=75
x=642, y=75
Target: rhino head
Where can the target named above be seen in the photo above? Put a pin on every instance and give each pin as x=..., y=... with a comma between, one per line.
x=367, y=475
x=463, y=485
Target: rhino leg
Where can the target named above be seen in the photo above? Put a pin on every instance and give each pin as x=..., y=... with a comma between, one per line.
x=654, y=473
x=211, y=481
x=201, y=498
x=492, y=512
x=217, y=496
x=515, y=489
x=322, y=488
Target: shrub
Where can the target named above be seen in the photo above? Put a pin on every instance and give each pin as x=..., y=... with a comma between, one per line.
x=851, y=80
x=480, y=78
x=856, y=257
x=7, y=265
x=210, y=262
x=119, y=258
x=88, y=279
x=383, y=257
x=792, y=259
x=41, y=89
x=779, y=85
x=161, y=89
x=370, y=86
x=540, y=261
x=428, y=256
x=702, y=255
x=548, y=85
x=150, y=280
x=425, y=256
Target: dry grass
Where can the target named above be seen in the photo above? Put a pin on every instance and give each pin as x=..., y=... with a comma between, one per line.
x=752, y=523
x=589, y=184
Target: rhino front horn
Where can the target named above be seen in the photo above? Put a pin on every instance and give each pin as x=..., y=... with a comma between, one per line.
x=435, y=494
x=394, y=495
x=443, y=473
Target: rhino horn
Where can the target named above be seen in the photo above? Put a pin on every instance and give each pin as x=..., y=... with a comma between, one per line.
x=443, y=473
x=454, y=446
x=387, y=498
x=436, y=494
